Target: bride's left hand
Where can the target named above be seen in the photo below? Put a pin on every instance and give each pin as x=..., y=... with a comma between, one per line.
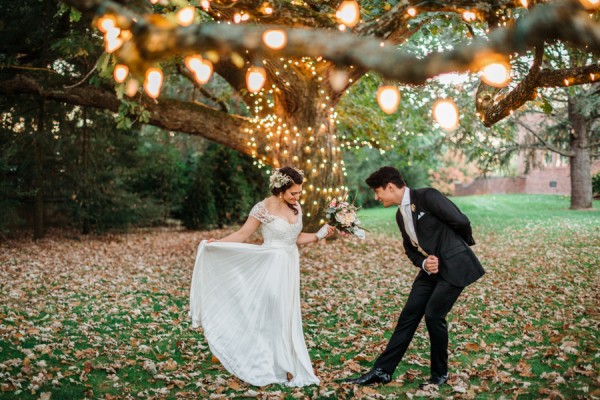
x=330, y=231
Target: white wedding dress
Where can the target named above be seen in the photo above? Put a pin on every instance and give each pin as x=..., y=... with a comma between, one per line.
x=247, y=299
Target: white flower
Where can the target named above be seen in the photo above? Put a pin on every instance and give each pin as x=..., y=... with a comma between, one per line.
x=345, y=217
x=277, y=179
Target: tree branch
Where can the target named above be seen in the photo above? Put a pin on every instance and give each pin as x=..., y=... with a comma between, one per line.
x=491, y=111
x=526, y=89
x=545, y=144
x=170, y=114
x=205, y=92
x=592, y=145
x=564, y=20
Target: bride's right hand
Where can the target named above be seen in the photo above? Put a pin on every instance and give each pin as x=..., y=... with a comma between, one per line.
x=212, y=240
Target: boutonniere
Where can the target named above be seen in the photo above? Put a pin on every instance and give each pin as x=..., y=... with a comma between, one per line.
x=413, y=208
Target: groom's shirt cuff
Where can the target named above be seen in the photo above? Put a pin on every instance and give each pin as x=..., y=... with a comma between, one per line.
x=423, y=267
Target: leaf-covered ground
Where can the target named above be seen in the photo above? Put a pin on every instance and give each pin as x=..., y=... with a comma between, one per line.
x=106, y=317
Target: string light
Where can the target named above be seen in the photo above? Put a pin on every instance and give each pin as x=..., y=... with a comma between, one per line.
x=412, y=11
x=445, y=114
x=590, y=4
x=275, y=39
x=186, y=16
x=105, y=23
x=153, y=82
x=205, y=4
x=201, y=68
x=266, y=8
x=255, y=79
x=496, y=74
x=112, y=41
x=131, y=87
x=388, y=98
x=120, y=73
x=525, y=3
x=469, y=16
x=348, y=13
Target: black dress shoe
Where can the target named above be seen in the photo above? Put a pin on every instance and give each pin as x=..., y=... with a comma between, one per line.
x=437, y=380
x=376, y=375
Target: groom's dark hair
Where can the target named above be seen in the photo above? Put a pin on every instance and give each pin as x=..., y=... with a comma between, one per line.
x=383, y=176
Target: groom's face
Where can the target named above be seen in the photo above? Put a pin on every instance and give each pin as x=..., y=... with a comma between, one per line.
x=385, y=195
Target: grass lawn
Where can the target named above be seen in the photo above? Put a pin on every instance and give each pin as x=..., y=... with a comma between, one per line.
x=106, y=316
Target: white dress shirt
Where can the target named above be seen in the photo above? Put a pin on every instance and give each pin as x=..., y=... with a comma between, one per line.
x=409, y=226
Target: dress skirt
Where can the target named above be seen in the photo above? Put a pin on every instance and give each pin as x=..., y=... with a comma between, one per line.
x=247, y=300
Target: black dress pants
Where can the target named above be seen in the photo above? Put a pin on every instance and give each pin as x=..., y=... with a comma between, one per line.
x=432, y=297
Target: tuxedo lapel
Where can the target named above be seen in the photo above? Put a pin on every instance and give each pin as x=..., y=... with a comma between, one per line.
x=413, y=208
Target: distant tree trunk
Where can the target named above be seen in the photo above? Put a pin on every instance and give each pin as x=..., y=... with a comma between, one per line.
x=37, y=181
x=580, y=163
x=86, y=225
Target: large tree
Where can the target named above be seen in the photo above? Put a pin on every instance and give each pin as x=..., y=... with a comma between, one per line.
x=293, y=119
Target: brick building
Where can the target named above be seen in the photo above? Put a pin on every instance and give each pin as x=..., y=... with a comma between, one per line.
x=549, y=175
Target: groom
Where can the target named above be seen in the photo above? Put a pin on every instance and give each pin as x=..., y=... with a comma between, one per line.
x=436, y=238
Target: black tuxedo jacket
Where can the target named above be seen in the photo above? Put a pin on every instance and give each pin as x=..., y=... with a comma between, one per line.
x=443, y=231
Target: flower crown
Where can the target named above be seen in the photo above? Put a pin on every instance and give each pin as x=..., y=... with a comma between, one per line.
x=277, y=179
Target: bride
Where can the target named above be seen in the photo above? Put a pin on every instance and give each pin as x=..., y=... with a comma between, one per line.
x=247, y=297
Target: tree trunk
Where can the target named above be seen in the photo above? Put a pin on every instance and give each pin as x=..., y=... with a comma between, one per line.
x=37, y=181
x=86, y=226
x=580, y=163
x=299, y=130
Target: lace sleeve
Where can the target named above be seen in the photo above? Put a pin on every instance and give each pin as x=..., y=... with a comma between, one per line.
x=259, y=211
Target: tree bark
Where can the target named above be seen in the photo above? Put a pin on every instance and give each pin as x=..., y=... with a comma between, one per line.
x=295, y=124
x=580, y=162
x=83, y=203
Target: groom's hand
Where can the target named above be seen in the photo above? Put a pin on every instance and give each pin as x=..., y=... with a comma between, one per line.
x=431, y=264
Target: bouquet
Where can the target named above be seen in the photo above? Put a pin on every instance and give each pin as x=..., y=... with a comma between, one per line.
x=342, y=215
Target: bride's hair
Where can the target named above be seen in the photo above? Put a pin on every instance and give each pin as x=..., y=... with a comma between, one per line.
x=296, y=177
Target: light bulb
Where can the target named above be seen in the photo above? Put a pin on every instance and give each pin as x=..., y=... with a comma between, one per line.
x=445, y=113
x=186, y=16
x=193, y=63
x=590, y=4
x=348, y=13
x=202, y=70
x=274, y=39
x=120, y=72
x=338, y=79
x=255, y=78
x=412, y=11
x=469, y=16
x=496, y=74
x=105, y=23
x=205, y=4
x=388, y=98
x=131, y=87
x=153, y=82
x=267, y=8
x=112, y=41
x=525, y=3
